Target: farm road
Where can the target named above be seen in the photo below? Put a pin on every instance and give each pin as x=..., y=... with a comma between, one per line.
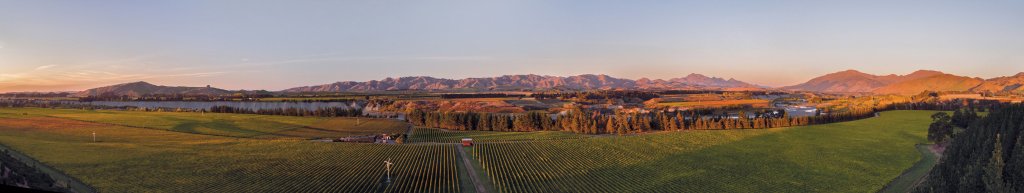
x=472, y=172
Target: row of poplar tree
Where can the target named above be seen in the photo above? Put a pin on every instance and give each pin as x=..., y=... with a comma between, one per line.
x=620, y=122
x=319, y=112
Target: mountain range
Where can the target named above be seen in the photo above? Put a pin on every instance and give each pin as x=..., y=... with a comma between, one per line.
x=530, y=82
x=849, y=81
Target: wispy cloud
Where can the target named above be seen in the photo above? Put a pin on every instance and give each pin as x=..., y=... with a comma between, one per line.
x=453, y=58
x=326, y=58
x=76, y=76
x=85, y=75
x=44, y=67
x=7, y=77
x=122, y=61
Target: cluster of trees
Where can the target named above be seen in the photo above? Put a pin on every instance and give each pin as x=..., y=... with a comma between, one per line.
x=620, y=122
x=480, y=95
x=977, y=105
x=988, y=156
x=673, y=92
x=944, y=126
x=321, y=112
x=529, y=121
x=941, y=128
x=964, y=117
x=46, y=104
x=691, y=92
x=592, y=95
x=35, y=95
x=582, y=121
x=83, y=106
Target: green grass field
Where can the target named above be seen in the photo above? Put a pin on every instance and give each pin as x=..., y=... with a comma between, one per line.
x=857, y=156
x=427, y=135
x=223, y=124
x=128, y=159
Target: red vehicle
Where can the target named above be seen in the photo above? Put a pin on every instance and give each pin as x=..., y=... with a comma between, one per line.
x=467, y=142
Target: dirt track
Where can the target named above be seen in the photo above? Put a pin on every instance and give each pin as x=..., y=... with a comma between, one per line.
x=472, y=172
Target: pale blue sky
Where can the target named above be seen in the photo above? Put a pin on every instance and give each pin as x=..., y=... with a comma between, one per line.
x=72, y=45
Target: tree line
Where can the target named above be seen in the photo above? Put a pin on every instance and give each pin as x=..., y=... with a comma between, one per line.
x=985, y=156
x=36, y=94
x=602, y=94
x=621, y=122
x=951, y=105
x=319, y=112
x=675, y=92
x=480, y=95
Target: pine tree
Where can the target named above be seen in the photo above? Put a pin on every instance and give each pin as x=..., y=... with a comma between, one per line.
x=993, y=176
x=1016, y=164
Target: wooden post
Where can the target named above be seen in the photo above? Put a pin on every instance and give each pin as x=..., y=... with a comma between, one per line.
x=388, y=164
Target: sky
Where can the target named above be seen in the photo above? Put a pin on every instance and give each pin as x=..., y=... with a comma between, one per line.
x=56, y=45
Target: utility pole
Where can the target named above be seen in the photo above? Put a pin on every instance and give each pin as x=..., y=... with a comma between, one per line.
x=387, y=164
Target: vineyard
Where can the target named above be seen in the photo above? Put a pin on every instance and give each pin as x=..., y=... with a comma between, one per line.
x=135, y=152
x=428, y=135
x=128, y=159
x=229, y=125
x=856, y=156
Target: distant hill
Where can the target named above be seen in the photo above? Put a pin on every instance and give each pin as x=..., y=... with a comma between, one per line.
x=844, y=81
x=136, y=89
x=1013, y=83
x=913, y=83
x=856, y=81
x=527, y=82
x=942, y=82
